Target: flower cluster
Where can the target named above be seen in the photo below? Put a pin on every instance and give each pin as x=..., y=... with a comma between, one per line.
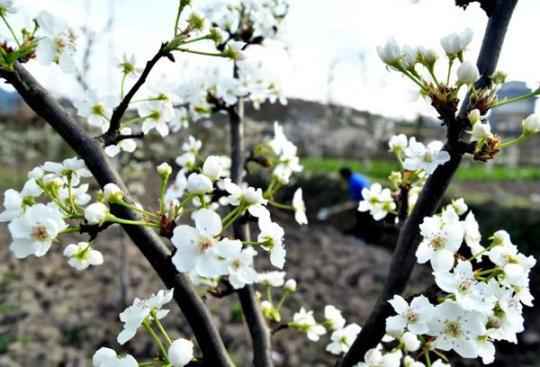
x=38, y=214
x=484, y=289
x=204, y=250
x=147, y=314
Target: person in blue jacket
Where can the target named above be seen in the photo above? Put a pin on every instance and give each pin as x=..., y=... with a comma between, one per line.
x=355, y=182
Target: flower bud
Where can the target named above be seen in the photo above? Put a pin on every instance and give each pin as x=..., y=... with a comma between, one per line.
x=481, y=132
x=427, y=56
x=531, y=125
x=196, y=22
x=390, y=52
x=290, y=285
x=270, y=312
x=180, y=352
x=164, y=170
x=410, y=342
x=499, y=77
x=460, y=206
x=474, y=116
x=235, y=50
x=468, y=73
x=112, y=193
x=398, y=143
x=199, y=184
x=454, y=44
x=96, y=213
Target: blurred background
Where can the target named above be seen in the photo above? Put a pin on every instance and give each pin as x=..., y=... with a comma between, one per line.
x=343, y=106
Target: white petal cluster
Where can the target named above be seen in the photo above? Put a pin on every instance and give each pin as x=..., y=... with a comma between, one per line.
x=125, y=145
x=378, y=201
x=287, y=162
x=264, y=16
x=96, y=110
x=34, y=231
x=455, y=43
x=304, y=321
x=425, y=157
x=82, y=255
x=377, y=358
x=531, y=125
x=343, y=335
x=57, y=43
x=484, y=298
x=134, y=316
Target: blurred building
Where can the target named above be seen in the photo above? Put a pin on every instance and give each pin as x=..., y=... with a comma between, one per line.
x=12, y=105
x=507, y=119
x=506, y=122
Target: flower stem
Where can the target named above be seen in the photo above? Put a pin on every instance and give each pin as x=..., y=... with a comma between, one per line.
x=517, y=140
x=11, y=30
x=161, y=328
x=215, y=54
x=156, y=338
x=515, y=99
x=280, y=206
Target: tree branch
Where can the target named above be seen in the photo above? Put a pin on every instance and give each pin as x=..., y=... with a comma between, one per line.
x=151, y=246
x=403, y=260
x=119, y=111
x=259, y=331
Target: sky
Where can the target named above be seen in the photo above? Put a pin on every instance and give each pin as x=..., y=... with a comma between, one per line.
x=331, y=45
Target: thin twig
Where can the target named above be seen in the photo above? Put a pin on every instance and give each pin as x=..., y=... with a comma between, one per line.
x=120, y=110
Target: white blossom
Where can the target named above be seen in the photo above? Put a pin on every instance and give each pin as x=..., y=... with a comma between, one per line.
x=271, y=278
x=97, y=111
x=299, y=207
x=377, y=201
x=271, y=239
x=442, y=238
x=470, y=294
x=156, y=115
x=82, y=255
x=333, y=318
x=134, y=316
x=342, y=339
x=240, y=265
x=198, y=249
x=125, y=145
x=414, y=317
x=304, y=321
x=34, y=232
x=428, y=158
x=398, y=143
x=57, y=45
x=456, y=329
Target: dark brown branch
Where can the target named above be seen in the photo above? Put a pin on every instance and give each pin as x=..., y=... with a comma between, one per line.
x=259, y=331
x=147, y=241
x=120, y=110
x=403, y=260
